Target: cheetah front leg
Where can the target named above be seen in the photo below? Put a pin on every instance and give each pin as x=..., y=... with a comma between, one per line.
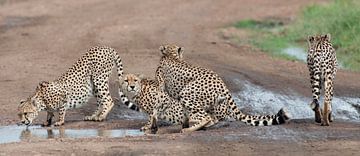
x=62, y=112
x=151, y=126
x=49, y=117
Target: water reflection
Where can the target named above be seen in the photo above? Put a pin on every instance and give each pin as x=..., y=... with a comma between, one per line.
x=21, y=133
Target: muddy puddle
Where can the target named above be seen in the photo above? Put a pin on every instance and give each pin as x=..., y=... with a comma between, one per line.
x=260, y=101
x=301, y=54
x=14, y=133
x=298, y=53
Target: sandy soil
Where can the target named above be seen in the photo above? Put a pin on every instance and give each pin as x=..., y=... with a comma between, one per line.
x=40, y=39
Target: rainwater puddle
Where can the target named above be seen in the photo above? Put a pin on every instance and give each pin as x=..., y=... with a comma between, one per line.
x=14, y=133
x=262, y=101
x=301, y=54
x=298, y=53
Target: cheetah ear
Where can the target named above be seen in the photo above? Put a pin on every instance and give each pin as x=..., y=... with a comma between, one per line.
x=141, y=76
x=22, y=101
x=121, y=80
x=180, y=52
x=44, y=83
x=162, y=49
x=311, y=39
x=221, y=99
x=327, y=37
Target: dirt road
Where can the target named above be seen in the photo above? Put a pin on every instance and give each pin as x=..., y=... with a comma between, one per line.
x=41, y=39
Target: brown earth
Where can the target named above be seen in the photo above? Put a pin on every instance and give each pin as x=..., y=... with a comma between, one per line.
x=40, y=39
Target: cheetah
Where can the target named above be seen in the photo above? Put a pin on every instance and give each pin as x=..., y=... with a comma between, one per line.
x=322, y=65
x=197, y=88
x=89, y=76
x=156, y=103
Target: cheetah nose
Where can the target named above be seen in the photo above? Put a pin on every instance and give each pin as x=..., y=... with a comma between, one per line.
x=132, y=87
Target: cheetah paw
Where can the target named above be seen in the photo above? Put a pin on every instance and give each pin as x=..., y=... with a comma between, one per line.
x=59, y=123
x=185, y=130
x=93, y=118
x=46, y=124
x=148, y=130
x=89, y=118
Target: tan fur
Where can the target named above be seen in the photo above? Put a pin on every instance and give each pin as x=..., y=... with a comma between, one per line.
x=87, y=77
x=197, y=89
x=322, y=65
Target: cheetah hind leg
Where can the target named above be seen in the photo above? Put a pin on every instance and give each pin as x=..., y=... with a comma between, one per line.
x=94, y=116
x=220, y=101
x=186, y=122
x=200, y=124
x=330, y=117
x=315, y=106
x=195, y=127
x=104, y=100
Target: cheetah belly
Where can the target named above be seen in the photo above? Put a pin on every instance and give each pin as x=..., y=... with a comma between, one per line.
x=80, y=95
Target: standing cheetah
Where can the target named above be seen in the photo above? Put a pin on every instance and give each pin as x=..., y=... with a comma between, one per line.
x=87, y=77
x=197, y=88
x=322, y=64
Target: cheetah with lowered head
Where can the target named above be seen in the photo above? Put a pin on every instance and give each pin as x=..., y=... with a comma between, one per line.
x=87, y=77
x=322, y=65
x=197, y=88
x=147, y=96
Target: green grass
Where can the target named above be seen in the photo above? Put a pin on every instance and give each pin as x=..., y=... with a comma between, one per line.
x=340, y=18
x=268, y=24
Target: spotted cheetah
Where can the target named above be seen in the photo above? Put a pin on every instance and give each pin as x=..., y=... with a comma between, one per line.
x=147, y=96
x=87, y=77
x=197, y=88
x=322, y=65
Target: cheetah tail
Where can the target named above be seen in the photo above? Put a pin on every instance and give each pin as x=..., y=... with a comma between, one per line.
x=127, y=102
x=119, y=68
x=259, y=120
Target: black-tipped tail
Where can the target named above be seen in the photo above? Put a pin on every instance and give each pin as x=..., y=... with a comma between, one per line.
x=281, y=117
x=127, y=102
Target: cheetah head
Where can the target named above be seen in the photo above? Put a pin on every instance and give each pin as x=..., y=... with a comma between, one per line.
x=29, y=108
x=172, y=50
x=131, y=83
x=314, y=40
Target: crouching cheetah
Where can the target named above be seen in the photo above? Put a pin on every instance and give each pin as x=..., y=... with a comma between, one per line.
x=147, y=96
x=87, y=77
x=322, y=65
x=197, y=88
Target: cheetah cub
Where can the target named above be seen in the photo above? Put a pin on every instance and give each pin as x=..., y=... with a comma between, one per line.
x=87, y=77
x=197, y=88
x=147, y=96
x=322, y=65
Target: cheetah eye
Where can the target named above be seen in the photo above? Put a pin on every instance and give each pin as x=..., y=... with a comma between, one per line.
x=126, y=80
x=135, y=80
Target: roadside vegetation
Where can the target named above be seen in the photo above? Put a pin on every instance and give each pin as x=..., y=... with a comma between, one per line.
x=340, y=18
